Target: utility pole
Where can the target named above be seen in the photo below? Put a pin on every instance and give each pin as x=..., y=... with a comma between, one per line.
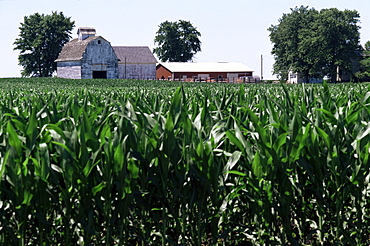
x=125, y=68
x=261, y=67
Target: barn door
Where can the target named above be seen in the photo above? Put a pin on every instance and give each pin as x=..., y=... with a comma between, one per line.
x=99, y=74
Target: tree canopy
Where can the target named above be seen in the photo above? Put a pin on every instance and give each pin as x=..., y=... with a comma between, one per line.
x=365, y=62
x=177, y=41
x=40, y=40
x=314, y=43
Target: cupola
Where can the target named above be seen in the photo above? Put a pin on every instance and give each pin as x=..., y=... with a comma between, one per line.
x=85, y=32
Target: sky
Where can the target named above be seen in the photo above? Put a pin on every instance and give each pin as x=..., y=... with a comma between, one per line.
x=231, y=31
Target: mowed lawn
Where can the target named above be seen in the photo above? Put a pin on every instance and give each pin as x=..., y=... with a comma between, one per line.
x=129, y=162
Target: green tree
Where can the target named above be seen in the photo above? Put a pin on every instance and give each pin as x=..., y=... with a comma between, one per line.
x=315, y=43
x=338, y=37
x=287, y=38
x=365, y=62
x=40, y=40
x=177, y=41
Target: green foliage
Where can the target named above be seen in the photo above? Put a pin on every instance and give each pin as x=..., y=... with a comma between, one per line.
x=177, y=41
x=314, y=43
x=128, y=162
x=40, y=40
x=287, y=37
x=365, y=62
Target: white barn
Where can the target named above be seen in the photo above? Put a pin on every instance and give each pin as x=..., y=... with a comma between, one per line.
x=90, y=56
x=135, y=62
x=87, y=57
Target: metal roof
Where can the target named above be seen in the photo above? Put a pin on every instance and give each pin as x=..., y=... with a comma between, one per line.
x=134, y=54
x=229, y=67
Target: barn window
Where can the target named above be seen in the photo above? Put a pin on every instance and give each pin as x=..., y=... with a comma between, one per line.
x=99, y=41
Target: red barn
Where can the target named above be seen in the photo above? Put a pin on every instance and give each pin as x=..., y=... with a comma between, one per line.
x=198, y=71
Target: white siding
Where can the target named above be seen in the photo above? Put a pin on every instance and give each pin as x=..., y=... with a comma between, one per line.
x=136, y=71
x=69, y=70
x=99, y=56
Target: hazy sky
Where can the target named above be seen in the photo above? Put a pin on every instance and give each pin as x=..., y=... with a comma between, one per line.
x=232, y=30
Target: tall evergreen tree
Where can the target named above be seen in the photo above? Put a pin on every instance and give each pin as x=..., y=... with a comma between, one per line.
x=40, y=40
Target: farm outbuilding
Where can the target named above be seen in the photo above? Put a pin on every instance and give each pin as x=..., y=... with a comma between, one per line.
x=198, y=71
x=90, y=56
x=87, y=57
x=135, y=62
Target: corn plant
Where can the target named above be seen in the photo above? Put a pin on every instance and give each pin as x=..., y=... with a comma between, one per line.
x=128, y=162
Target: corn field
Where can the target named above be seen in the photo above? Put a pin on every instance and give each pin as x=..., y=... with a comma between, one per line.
x=126, y=162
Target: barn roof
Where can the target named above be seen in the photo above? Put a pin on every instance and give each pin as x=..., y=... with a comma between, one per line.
x=230, y=67
x=134, y=54
x=74, y=50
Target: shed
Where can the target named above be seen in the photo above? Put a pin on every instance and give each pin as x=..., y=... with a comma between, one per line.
x=87, y=57
x=191, y=71
x=135, y=62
